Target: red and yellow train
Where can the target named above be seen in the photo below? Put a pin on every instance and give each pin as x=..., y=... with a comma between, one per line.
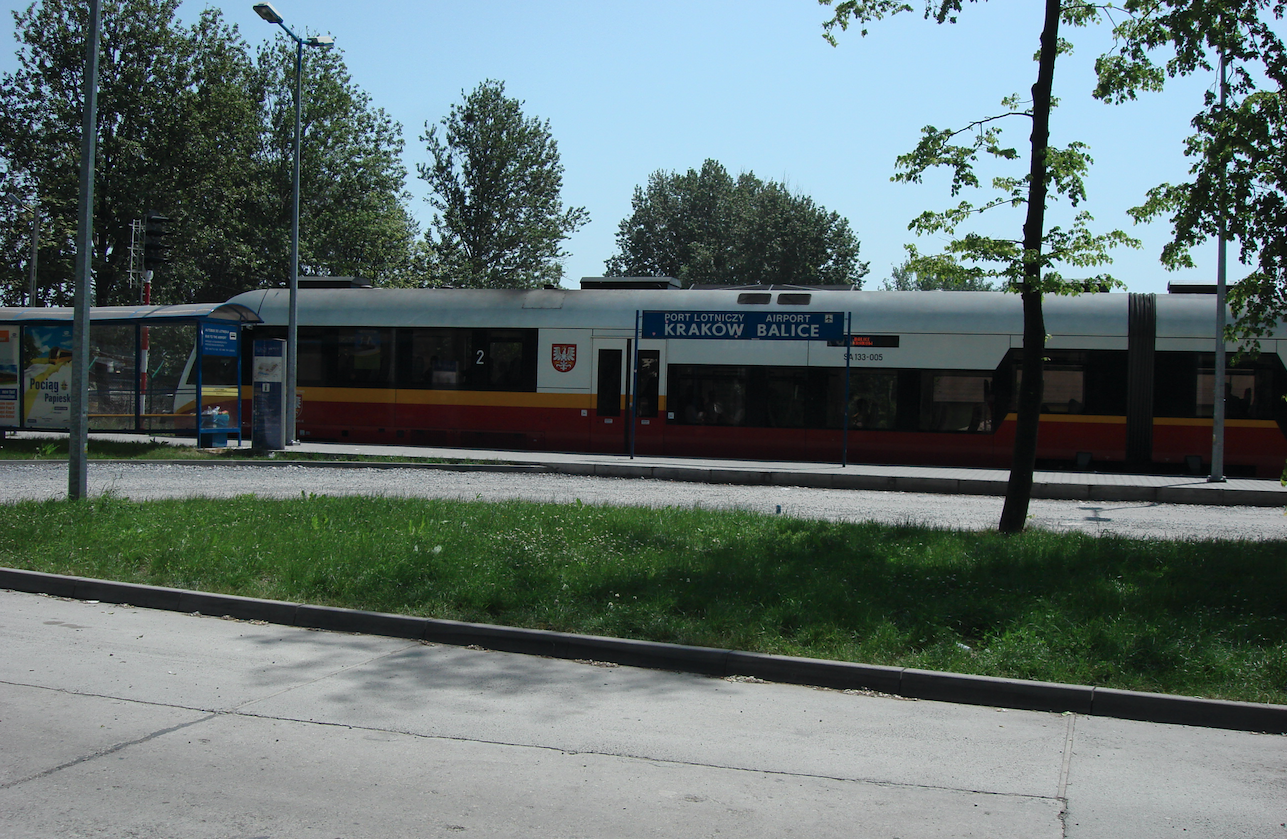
x=930, y=378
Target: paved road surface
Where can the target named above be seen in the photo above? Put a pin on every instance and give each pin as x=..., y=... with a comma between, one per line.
x=119, y=721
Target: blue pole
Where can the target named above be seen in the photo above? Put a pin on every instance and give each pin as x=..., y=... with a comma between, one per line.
x=844, y=409
x=634, y=390
x=201, y=352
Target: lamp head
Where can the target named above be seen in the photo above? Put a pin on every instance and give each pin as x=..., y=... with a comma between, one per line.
x=320, y=41
x=268, y=13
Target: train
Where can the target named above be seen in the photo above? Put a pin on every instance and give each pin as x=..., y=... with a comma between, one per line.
x=796, y=373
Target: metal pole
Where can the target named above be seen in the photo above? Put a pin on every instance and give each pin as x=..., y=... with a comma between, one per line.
x=78, y=444
x=1218, y=385
x=634, y=391
x=292, y=327
x=844, y=408
x=268, y=13
x=35, y=251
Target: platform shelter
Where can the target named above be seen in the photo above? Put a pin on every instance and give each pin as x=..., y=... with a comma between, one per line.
x=154, y=369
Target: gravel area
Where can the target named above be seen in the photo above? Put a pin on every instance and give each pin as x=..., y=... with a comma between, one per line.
x=151, y=481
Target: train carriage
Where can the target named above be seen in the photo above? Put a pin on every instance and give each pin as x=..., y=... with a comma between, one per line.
x=930, y=378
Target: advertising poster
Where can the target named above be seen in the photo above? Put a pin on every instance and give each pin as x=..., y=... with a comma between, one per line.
x=48, y=376
x=9, y=351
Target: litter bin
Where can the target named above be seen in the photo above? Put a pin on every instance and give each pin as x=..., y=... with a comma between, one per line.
x=214, y=429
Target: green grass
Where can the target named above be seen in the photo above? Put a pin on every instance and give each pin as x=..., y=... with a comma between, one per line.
x=55, y=448
x=1202, y=619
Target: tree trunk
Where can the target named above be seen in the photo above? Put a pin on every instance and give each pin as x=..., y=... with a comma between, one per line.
x=1018, y=493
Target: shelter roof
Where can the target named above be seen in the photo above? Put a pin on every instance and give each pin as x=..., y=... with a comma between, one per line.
x=132, y=314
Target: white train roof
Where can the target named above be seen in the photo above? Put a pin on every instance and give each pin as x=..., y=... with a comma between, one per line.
x=1190, y=315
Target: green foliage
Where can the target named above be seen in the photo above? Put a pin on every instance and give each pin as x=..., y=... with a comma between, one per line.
x=353, y=209
x=1239, y=155
x=939, y=272
x=192, y=126
x=1015, y=262
x=1197, y=618
x=496, y=181
x=705, y=227
x=1065, y=171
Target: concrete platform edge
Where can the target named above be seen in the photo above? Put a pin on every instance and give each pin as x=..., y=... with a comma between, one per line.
x=906, y=682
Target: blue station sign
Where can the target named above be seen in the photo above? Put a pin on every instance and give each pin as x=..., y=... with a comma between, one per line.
x=219, y=339
x=745, y=326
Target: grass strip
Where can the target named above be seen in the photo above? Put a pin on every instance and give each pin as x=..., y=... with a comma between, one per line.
x=1194, y=618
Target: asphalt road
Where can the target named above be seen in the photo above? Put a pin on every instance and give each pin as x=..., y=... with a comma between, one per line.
x=21, y=480
x=119, y=721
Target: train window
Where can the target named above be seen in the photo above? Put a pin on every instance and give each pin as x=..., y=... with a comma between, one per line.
x=1063, y=390
x=758, y=397
x=952, y=401
x=310, y=369
x=788, y=396
x=873, y=399
x=364, y=357
x=755, y=297
x=433, y=358
x=649, y=382
x=794, y=299
x=1105, y=386
x=1248, y=390
x=467, y=359
x=708, y=395
x=1076, y=382
x=609, y=390
x=1175, y=384
x=505, y=370
x=504, y=359
x=1184, y=386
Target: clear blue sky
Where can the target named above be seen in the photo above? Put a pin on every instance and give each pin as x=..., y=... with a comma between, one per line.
x=630, y=88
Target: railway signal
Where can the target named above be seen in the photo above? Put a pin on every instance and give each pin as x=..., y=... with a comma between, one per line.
x=155, y=251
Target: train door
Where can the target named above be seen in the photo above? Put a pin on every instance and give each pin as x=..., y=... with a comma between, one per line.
x=615, y=383
x=650, y=423
x=609, y=421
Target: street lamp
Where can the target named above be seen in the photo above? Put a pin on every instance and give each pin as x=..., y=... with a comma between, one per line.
x=34, y=209
x=268, y=13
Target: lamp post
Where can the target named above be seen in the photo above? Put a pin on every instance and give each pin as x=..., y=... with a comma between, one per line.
x=1218, y=380
x=34, y=209
x=268, y=13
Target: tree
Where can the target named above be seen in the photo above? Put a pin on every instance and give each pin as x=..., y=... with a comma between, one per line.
x=192, y=127
x=937, y=272
x=1239, y=148
x=705, y=227
x=1025, y=264
x=496, y=181
x=353, y=211
x=140, y=78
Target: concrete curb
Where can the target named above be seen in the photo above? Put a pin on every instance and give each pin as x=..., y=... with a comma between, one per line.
x=708, y=661
x=1202, y=494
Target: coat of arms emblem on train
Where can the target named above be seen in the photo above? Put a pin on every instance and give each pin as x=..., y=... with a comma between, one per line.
x=563, y=356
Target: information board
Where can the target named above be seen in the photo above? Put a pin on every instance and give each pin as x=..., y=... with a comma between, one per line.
x=745, y=326
x=219, y=339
